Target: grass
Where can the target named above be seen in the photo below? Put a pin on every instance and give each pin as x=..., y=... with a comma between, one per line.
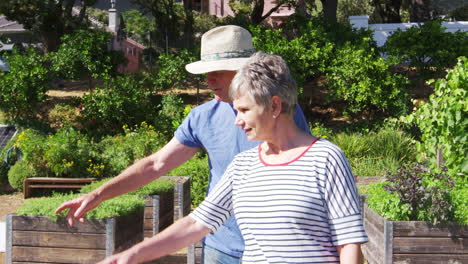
x=119, y=206
x=376, y=153
x=154, y=188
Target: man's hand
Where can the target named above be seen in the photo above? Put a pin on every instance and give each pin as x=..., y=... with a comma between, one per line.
x=79, y=207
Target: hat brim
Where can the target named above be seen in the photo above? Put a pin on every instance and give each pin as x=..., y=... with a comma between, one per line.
x=232, y=64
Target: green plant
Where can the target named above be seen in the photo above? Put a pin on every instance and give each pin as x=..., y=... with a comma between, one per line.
x=24, y=87
x=62, y=115
x=198, y=171
x=363, y=80
x=85, y=53
x=119, y=206
x=420, y=46
x=375, y=153
x=67, y=153
x=19, y=172
x=120, y=151
x=154, y=188
x=118, y=102
x=386, y=204
x=443, y=121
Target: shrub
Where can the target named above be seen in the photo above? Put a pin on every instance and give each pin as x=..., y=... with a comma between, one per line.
x=172, y=113
x=63, y=115
x=363, y=80
x=118, y=102
x=31, y=144
x=417, y=194
x=67, y=153
x=443, y=121
x=198, y=171
x=19, y=172
x=154, y=188
x=421, y=46
x=376, y=153
x=170, y=70
x=24, y=87
x=120, y=151
x=119, y=206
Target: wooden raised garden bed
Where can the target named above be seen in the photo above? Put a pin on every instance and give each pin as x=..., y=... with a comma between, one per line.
x=37, y=239
x=162, y=210
x=413, y=241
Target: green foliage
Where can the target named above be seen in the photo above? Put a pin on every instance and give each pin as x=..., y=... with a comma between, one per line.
x=98, y=14
x=363, y=80
x=32, y=145
x=154, y=188
x=169, y=71
x=386, y=204
x=172, y=113
x=375, y=153
x=62, y=115
x=443, y=120
x=19, y=172
x=68, y=152
x=137, y=25
x=85, y=53
x=24, y=87
x=459, y=198
x=198, y=171
x=120, y=151
x=119, y=206
x=118, y=102
x=426, y=193
x=421, y=46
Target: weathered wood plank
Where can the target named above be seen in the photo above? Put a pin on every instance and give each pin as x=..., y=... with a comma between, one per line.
x=57, y=255
x=59, y=239
x=433, y=245
x=430, y=259
x=41, y=223
x=426, y=229
x=374, y=218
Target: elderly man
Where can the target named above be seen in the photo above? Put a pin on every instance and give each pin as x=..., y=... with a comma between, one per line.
x=209, y=126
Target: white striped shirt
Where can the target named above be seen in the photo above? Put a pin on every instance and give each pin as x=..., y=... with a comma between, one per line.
x=296, y=212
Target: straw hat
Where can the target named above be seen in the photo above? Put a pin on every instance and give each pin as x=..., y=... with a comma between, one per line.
x=223, y=48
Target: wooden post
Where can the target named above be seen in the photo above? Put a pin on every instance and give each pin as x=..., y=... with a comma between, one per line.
x=439, y=158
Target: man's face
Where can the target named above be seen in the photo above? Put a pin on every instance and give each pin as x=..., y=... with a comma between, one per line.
x=219, y=82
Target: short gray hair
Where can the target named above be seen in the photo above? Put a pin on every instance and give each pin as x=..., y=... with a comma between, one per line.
x=264, y=76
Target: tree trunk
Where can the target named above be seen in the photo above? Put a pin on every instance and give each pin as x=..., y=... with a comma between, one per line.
x=329, y=10
x=420, y=10
x=257, y=12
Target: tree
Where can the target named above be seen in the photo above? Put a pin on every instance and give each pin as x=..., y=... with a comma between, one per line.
x=329, y=10
x=388, y=10
x=420, y=10
x=167, y=16
x=253, y=10
x=49, y=19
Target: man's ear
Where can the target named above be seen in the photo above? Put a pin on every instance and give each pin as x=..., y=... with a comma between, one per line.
x=276, y=106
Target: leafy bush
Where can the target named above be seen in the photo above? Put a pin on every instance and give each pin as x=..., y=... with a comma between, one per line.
x=85, y=53
x=19, y=172
x=421, y=46
x=169, y=71
x=198, y=171
x=67, y=153
x=119, y=206
x=172, y=113
x=120, y=101
x=376, y=153
x=31, y=144
x=24, y=87
x=363, y=80
x=443, y=120
x=120, y=151
x=154, y=188
x=417, y=194
x=63, y=115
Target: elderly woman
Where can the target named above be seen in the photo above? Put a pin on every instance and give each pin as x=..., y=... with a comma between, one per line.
x=293, y=196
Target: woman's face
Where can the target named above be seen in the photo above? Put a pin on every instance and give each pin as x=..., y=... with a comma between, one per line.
x=256, y=121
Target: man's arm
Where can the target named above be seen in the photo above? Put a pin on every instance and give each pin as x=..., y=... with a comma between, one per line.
x=142, y=172
x=179, y=235
x=350, y=253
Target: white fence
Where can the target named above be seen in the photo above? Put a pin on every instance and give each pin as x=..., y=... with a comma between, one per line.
x=383, y=31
